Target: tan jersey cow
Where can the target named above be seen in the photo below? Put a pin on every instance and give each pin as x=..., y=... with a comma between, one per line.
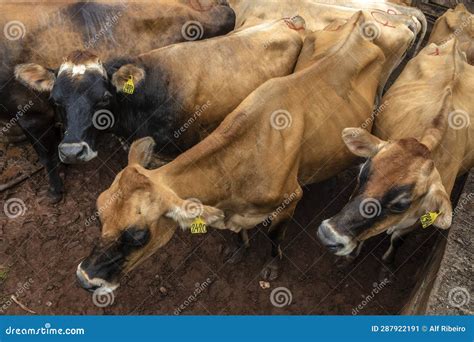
x=251, y=168
x=456, y=23
x=424, y=139
x=396, y=29
x=320, y=13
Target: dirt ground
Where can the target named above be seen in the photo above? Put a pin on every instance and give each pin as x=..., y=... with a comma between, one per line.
x=40, y=250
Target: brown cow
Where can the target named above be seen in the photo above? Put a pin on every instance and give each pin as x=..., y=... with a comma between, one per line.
x=320, y=13
x=389, y=24
x=251, y=168
x=45, y=33
x=424, y=139
x=458, y=23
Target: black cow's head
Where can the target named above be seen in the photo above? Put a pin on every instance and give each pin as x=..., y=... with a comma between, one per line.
x=82, y=89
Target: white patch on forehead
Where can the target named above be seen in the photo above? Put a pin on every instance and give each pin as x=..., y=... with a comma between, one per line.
x=80, y=69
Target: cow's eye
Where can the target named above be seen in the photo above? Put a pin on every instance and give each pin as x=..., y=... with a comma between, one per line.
x=399, y=207
x=135, y=237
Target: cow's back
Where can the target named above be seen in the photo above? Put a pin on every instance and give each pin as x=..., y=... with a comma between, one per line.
x=289, y=126
x=415, y=103
x=224, y=70
x=456, y=23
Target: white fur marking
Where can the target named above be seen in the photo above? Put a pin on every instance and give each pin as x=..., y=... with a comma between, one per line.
x=80, y=69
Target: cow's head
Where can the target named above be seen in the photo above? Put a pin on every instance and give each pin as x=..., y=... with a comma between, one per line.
x=397, y=184
x=139, y=214
x=82, y=89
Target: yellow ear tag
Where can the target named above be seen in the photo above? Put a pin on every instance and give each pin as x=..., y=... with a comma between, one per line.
x=428, y=218
x=128, y=86
x=198, y=226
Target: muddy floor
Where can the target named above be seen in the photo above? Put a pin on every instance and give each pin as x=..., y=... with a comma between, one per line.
x=40, y=249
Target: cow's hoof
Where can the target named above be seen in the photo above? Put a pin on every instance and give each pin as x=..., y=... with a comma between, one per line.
x=233, y=254
x=54, y=197
x=271, y=271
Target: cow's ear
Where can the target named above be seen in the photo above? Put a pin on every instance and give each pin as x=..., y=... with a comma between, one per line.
x=187, y=211
x=361, y=143
x=437, y=200
x=126, y=72
x=141, y=151
x=35, y=76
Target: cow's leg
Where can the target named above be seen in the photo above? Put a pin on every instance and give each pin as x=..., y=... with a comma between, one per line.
x=396, y=240
x=44, y=137
x=271, y=271
x=235, y=248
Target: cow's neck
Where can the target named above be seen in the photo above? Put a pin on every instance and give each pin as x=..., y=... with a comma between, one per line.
x=449, y=164
x=197, y=173
x=429, y=122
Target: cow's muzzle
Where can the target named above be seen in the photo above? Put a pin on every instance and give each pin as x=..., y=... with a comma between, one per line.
x=335, y=242
x=72, y=153
x=92, y=283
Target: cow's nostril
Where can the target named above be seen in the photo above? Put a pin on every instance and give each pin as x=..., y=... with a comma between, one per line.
x=335, y=247
x=323, y=233
x=81, y=152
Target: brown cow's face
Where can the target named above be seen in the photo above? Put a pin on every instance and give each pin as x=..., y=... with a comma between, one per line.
x=138, y=215
x=396, y=185
x=131, y=212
